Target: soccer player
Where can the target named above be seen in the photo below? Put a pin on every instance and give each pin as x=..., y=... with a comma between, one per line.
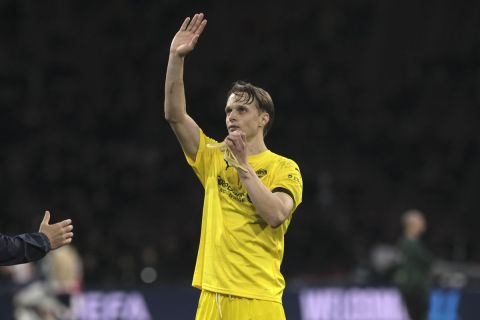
x=250, y=195
x=33, y=246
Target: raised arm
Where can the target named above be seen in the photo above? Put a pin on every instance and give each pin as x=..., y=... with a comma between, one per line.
x=184, y=127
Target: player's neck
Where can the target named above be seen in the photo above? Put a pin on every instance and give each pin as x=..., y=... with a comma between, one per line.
x=255, y=146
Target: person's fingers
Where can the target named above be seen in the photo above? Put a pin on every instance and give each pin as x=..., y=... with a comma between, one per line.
x=201, y=27
x=197, y=22
x=67, y=241
x=68, y=235
x=235, y=142
x=229, y=142
x=192, y=23
x=66, y=222
x=68, y=228
x=236, y=136
x=46, y=217
x=231, y=138
x=185, y=24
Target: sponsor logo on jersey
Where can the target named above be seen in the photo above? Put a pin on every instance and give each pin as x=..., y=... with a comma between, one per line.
x=233, y=193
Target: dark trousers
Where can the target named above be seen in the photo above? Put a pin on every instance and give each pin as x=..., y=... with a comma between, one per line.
x=417, y=304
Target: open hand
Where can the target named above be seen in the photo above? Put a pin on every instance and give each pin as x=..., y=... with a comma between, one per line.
x=186, y=38
x=59, y=233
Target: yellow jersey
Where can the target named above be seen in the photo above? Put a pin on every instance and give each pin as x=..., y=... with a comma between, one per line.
x=239, y=253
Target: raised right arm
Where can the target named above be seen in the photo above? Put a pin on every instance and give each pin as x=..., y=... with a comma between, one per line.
x=184, y=127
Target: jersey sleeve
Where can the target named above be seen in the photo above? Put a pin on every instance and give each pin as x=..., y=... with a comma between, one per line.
x=23, y=248
x=204, y=157
x=288, y=179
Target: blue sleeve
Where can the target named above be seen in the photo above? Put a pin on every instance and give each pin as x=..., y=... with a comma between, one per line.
x=23, y=248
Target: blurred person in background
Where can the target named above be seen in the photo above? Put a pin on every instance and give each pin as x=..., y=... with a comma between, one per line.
x=54, y=293
x=63, y=270
x=63, y=278
x=250, y=195
x=34, y=246
x=413, y=273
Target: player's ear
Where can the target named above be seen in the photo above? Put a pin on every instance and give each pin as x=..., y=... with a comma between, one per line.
x=265, y=119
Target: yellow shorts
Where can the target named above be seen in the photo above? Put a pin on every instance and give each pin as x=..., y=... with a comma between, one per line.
x=217, y=306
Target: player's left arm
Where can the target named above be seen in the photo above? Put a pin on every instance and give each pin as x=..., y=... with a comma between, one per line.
x=273, y=207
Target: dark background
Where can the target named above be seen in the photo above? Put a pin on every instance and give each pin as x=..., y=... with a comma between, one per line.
x=377, y=101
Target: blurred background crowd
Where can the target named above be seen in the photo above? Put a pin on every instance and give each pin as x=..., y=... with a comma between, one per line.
x=377, y=101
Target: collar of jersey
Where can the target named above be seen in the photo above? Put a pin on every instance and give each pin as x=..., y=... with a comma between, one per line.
x=257, y=156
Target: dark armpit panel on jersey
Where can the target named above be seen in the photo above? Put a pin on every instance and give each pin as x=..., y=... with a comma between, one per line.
x=280, y=189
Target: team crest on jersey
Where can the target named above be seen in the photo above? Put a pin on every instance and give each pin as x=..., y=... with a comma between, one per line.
x=261, y=172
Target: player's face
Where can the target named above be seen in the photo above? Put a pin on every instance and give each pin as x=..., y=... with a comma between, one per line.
x=244, y=116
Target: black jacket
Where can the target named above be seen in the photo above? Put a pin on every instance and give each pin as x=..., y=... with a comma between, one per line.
x=23, y=248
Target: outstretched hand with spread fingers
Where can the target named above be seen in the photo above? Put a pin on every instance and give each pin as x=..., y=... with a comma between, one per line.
x=59, y=234
x=186, y=38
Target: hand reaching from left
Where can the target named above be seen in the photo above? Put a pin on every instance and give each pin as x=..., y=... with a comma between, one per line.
x=59, y=234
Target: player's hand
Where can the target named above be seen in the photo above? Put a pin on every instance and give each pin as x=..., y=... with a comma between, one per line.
x=186, y=38
x=59, y=233
x=237, y=143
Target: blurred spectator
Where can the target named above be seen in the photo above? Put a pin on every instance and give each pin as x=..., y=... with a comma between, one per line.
x=63, y=272
x=413, y=274
x=52, y=293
